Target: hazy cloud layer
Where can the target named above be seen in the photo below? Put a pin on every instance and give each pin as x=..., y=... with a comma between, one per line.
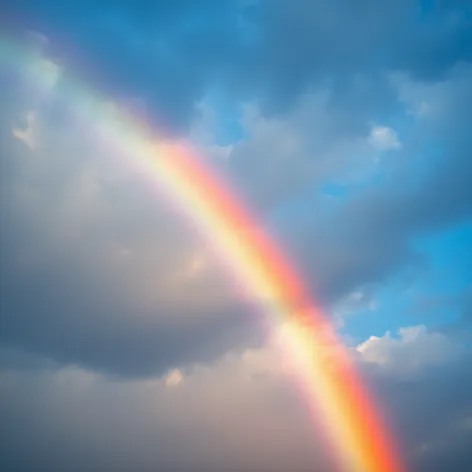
x=240, y=413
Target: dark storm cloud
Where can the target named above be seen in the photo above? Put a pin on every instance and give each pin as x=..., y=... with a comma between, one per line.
x=52, y=314
x=165, y=52
x=171, y=52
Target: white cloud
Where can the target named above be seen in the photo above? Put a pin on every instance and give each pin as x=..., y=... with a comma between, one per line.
x=384, y=138
x=414, y=349
x=173, y=378
x=28, y=135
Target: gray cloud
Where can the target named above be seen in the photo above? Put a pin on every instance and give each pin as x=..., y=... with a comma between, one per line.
x=172, y=52
x=83, y=420
x=426, y=189
x=240, y=413
x=64, y=208
x=95, y=266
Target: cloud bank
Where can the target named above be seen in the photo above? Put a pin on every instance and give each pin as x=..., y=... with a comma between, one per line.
x=124, y=345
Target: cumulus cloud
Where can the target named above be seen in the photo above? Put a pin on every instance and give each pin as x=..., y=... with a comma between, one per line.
x=414, y=349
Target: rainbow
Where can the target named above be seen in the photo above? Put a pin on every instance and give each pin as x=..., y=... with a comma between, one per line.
x=356, y=435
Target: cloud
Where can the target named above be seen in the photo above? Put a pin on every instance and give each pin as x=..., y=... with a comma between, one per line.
x=85, y=211
x=28, y=135
x=173, y=378
x=121, y=337
x=413, y=350
x=367, y=235
x=384, y=138
x=102, y=259
x=273, y=52
x=240, y=413
x=283, y=156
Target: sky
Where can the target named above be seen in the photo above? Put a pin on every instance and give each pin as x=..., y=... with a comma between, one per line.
x=124, y=344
